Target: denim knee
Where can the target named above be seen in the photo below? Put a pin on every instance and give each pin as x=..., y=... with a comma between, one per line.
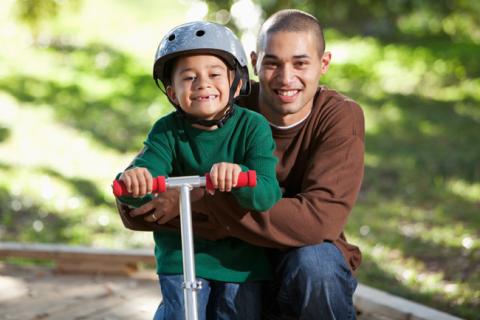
x=314, y=282
x=317, y=263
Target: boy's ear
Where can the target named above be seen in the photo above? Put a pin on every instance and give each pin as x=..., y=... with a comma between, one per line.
x=239, y=87
x=171, y=94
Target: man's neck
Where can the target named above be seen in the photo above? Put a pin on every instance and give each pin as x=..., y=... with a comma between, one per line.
x=284, y=120
x=286, y=127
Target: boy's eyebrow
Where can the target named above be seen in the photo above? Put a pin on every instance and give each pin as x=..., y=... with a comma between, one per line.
x=212, y=66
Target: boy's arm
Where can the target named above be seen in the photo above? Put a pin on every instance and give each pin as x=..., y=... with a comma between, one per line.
x=260, y=157
x=156, y=157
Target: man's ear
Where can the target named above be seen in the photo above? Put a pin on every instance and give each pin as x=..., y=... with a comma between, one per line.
x=327, y=56
x=171, y=94
x=254, y=58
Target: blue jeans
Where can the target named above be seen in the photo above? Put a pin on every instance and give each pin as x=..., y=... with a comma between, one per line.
x=310, y=283
x=216, y=300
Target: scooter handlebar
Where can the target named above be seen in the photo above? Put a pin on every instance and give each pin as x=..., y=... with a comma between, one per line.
x=245, y=179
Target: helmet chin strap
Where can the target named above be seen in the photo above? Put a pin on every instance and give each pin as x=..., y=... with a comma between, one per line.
x=215, y=122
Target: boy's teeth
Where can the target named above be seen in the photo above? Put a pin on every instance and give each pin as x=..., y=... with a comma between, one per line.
x=206, y=98
x=288, y=93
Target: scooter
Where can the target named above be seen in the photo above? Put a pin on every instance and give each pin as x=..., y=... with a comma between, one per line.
x=160, y=184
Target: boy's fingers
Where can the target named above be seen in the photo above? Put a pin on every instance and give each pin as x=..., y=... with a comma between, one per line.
x=149, y=178
x=135, y=185
x=214, y=176
x=222, y=169
x=228, y=178
x=128, y=183
x=142, y=183
x=236, y=172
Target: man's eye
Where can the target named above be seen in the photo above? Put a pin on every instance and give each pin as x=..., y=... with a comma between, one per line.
x=269, y=64
x=301, y=64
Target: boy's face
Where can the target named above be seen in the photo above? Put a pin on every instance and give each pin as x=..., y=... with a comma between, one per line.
x=289, y=68
x=200, y=86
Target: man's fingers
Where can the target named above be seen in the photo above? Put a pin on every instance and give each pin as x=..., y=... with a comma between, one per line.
x=152, y=217
x=149, y=206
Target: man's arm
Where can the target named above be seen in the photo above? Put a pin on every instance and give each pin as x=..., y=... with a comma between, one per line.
x=332, y=179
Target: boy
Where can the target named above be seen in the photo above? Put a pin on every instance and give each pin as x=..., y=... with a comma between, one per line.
x=203, y=67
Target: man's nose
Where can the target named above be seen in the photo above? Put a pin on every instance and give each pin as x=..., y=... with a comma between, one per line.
x=285, y=74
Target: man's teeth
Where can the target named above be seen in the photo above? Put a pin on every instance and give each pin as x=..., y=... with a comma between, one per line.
x=288, y=93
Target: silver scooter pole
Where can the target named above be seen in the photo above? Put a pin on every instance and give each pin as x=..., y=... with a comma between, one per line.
x=190, y=284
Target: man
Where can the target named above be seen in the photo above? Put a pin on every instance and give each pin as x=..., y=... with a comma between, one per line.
x=320, y=145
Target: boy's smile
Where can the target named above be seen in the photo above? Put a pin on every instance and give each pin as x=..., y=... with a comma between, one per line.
x=200, y=86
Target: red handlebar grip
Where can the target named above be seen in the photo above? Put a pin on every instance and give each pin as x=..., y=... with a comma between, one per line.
x=119, y=189
x=245, y=179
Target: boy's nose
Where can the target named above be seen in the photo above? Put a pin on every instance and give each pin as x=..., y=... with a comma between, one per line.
x=202, y=82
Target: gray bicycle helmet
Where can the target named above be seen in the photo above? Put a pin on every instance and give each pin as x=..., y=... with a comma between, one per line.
x=203, y=37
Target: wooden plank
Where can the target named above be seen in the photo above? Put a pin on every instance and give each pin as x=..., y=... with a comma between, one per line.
x=54, y=251
x=78, y=259
x=52, y=296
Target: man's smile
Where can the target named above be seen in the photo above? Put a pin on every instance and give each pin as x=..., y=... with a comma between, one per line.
x=287, y=95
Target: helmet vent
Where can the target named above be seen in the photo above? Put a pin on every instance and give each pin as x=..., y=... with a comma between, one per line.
x=199, y=33
x=171, y=37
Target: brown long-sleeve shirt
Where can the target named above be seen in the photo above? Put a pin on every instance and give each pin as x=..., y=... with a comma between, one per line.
x=320, y=168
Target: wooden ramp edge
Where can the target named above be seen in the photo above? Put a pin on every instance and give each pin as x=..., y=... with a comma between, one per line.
x=78, y=259
x=370, y=303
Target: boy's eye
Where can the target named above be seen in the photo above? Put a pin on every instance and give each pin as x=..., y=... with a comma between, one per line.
x=215, y=75
x=189, y=78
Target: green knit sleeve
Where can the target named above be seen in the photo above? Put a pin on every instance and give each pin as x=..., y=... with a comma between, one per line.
x=156, y=156
x=259, y=157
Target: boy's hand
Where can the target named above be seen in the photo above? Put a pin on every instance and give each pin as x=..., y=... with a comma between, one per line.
x=139, y=181
x=224, y=176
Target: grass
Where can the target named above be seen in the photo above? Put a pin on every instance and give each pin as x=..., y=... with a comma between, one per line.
x=75, y=108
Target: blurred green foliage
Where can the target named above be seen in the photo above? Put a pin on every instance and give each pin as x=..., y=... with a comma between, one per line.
x=35, y=14
x=457, y=20
x=74, y=112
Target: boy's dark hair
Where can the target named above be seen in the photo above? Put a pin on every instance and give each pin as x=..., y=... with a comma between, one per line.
x=291, y=20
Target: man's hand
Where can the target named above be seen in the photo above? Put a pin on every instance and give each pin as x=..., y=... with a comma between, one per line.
x=165, y=206
x=161, y=209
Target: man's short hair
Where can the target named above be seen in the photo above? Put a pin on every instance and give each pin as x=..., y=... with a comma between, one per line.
x=291, y=20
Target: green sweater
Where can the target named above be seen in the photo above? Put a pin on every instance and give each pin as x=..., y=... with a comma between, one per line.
x=175, y=148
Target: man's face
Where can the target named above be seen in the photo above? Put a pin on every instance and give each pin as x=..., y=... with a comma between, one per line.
x=289, y=69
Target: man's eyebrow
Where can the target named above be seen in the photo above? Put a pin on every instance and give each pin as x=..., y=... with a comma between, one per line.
x=272, y=56
x=301, y=56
